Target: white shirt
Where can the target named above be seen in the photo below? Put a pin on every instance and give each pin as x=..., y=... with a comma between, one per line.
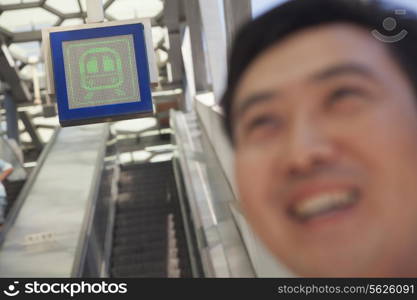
x=4, y=166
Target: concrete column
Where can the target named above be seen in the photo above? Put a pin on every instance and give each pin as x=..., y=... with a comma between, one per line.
x=11, y=117
x=193, y=18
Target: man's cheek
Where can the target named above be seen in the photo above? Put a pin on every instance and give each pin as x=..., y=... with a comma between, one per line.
x=250, y=172
x=254, y=181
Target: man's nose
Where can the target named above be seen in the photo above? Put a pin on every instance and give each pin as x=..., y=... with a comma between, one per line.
x=309, y=146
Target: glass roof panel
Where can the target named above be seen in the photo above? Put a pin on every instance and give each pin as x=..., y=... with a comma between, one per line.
x=75, y=21
x=26, y=49
x=66, y=7
x=27, y=19
x=7, y=2
x=84, y=5
x=128, y=9
x=37, y=18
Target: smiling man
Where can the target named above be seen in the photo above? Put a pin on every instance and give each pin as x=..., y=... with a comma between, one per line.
x=323, y=120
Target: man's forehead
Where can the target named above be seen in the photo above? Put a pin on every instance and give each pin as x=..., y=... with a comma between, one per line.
x=310, y=52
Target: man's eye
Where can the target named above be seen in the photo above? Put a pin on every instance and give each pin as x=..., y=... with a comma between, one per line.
x=263, y=122
x=345, y=92
x=345, y=97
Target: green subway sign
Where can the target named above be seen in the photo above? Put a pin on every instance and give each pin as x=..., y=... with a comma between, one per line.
x=100, y=71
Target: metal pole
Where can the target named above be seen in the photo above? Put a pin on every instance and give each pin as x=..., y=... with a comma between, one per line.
x=31, y=130
x=36, y=86
x=95, y=11
x=11, y=117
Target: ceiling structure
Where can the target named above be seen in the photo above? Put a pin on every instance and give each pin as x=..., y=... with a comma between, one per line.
x=21, y=21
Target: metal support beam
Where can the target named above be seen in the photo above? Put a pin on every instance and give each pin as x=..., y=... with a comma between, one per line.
x=212, y=17
x=31, y=129
x=10, y=74
x=171, y=20
x=5, y=7
x=236, y=13
x=53, y=11
x=175, y=57
x=193, y=18
x=5, y=35
x=107, y=4
x=81, y=11
x=26, y=36
x=11, y=117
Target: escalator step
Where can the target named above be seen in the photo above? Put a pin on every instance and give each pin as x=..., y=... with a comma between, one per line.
x=151, y=246
x=156, y=268
x=140, y=237
x=142, y=217
x=135, y=250
x=134, y=259
x=143, y=238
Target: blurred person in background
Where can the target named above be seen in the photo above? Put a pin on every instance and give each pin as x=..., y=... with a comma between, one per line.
x=321, y=110
x=5, y=170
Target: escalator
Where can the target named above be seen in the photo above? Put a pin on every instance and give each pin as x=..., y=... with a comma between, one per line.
x=148, y=234
x=127, y=221
x=13, y=189
x=141, y=206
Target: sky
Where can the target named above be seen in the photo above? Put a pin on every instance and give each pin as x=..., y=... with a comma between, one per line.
x=261, y=6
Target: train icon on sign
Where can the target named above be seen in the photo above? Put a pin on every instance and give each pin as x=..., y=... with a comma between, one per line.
x=101, y=69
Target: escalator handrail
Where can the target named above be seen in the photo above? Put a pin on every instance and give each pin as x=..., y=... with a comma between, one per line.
x=20, y=201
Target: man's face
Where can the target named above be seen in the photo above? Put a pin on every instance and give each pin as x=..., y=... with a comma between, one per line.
x=325, y=129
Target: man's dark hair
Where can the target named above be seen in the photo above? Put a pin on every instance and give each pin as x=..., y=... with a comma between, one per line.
x=258, y=35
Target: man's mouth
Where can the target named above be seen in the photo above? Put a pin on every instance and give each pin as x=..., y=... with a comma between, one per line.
x=323, y=204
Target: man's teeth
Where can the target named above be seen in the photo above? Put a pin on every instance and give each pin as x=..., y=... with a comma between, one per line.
x=323, y=203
